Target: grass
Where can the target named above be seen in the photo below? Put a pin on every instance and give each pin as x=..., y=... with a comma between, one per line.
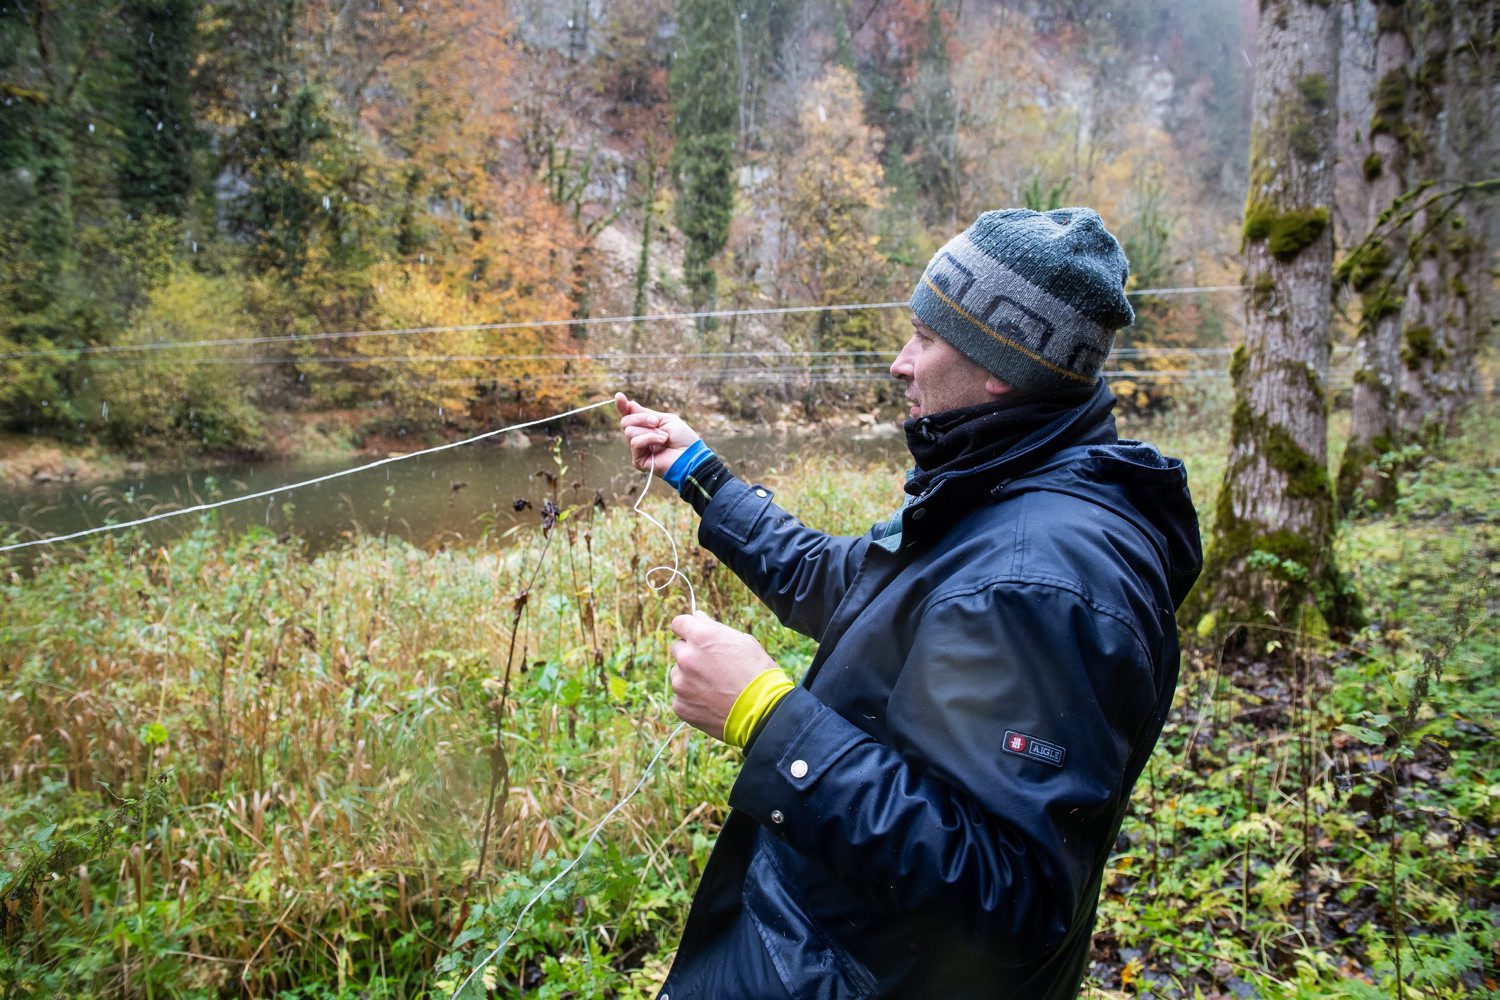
x=296, y=755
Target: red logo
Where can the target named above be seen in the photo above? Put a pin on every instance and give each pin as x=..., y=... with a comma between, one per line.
x=1018, y=743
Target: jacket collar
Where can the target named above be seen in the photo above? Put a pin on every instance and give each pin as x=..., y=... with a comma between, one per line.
x=963, y=439
x=959, y=485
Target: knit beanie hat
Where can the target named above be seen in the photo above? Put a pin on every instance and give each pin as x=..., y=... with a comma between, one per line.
x=1034, y=298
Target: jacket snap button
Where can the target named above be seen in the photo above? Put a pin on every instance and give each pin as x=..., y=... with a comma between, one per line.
x=919, y=513
x=799, y=768
x=760, y=493
x=776, y=817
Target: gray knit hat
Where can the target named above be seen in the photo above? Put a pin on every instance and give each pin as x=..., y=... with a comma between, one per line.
x=1034, y=298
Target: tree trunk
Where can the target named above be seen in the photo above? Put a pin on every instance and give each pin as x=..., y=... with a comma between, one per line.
x=1482, y=164
x=1469, y=154
x=1272, y=551
x=1425, y=333
x=1374, y=269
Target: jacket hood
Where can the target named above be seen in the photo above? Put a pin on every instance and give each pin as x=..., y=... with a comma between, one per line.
x=1140, y=484
x=1079, y=454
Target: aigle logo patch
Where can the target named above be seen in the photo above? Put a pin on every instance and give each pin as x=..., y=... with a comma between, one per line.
x=1039, y=750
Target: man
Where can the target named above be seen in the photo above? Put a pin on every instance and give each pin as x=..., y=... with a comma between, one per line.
x=929, y=813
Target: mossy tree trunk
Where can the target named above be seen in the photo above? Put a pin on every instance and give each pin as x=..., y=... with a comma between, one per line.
x=1374, y=270
x=1271, y=552
x=1449, y=291
x=1424, y=335
x=1477, y=156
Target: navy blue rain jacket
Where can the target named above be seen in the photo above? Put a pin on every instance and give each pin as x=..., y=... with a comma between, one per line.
x=930, y=813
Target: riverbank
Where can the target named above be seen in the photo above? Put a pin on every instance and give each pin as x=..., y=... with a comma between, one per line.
x=34, y=460
x=29, y=460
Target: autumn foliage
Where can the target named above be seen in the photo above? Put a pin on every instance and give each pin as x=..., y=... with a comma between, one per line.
x=454, y=170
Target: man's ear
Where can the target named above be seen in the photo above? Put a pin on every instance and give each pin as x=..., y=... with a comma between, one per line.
x=995, y=387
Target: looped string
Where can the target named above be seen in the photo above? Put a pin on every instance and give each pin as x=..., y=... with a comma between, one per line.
x=674, y=570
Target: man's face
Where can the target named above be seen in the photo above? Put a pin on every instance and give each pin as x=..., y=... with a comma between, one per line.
x=938, y=378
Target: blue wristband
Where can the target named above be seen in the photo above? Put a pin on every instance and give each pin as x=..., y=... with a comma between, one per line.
x=696, y=455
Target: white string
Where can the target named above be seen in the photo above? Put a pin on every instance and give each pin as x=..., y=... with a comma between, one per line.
x=673, y=570
x=593, y=835
x=52, y=539
x=80, y=352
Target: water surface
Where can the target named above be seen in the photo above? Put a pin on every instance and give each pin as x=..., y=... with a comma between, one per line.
x=448, y=497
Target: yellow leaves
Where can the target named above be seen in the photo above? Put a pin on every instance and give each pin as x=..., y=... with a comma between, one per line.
x=828, y=189
x=1256, y=826
x=1131, y=973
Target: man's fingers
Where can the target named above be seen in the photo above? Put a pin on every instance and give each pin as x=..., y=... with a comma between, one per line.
x=640, y=417
x=696, y=625
x=634, y=434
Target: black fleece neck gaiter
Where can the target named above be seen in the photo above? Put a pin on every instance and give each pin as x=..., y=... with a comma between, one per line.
x=973, y=435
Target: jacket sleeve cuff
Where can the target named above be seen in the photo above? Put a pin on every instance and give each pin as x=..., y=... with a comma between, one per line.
x=700, y=486
x=731, y=511
x=696, y=454
x=754, y=704
x=797, y=744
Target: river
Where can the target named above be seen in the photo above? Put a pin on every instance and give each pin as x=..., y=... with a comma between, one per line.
x=447, y=497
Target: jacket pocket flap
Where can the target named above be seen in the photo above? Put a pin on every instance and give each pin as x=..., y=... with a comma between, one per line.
x=742, y=510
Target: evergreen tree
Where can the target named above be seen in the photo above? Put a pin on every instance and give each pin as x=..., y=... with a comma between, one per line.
x=160, y=140
x=50, y=56
x=705, y=91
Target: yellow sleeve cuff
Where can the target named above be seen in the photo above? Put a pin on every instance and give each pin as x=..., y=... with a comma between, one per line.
x=754, y=703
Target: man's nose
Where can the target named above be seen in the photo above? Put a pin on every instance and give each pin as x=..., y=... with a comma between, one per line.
x=901, y=367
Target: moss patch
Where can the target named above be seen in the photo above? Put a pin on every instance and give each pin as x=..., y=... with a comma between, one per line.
x=1378, y=307
x=1287, y=233
x=1306, y=478
x=1364, y=266
x=1420, y=345
x=1315, y=91
x=1263, y=290
x=1390, y=101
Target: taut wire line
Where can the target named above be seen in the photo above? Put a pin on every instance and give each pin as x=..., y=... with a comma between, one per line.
x=79, y=352
x=53, y=539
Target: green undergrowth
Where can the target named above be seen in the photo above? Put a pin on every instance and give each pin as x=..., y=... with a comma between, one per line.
x=348, y=773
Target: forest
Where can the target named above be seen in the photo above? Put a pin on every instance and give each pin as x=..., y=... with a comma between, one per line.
x=235, y=763
x=202, y=200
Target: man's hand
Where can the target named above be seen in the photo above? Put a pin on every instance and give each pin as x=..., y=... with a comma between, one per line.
x=714, y=664
x=656, y=439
